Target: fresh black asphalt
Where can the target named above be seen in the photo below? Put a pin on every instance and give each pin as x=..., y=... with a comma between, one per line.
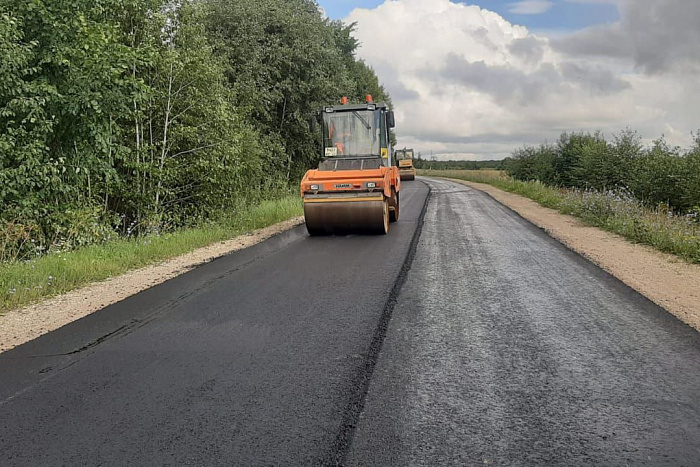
x=480, y=342
x=507, y=349
x=258, y=358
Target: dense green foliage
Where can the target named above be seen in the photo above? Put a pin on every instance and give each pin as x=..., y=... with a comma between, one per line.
x=654, y=175
x=122, y=117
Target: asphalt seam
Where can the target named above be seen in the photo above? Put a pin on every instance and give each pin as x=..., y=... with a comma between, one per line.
x=343, y=441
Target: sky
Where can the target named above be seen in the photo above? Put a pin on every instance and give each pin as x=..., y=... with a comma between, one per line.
x=478, y=79
x=536, y=15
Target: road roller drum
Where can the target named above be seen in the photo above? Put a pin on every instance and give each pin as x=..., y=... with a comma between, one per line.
x=328, y=216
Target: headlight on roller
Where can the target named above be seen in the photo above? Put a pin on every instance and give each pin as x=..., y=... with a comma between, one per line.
x=371, y=185
x=315, y=187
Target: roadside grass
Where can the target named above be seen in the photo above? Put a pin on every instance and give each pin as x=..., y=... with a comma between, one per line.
x=25, y=282
x=616, y=211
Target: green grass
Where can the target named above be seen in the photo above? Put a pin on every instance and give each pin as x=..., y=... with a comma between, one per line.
x=617, y=212
x=22, y=283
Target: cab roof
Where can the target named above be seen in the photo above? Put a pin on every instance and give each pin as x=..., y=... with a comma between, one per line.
x=355, y=107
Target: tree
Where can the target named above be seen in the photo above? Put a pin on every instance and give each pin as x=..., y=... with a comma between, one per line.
x=136, y=115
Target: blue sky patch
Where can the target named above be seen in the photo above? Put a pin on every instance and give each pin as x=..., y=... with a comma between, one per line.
x=561, y=16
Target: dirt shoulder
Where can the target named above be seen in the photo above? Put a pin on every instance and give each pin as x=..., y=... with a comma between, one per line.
x=664, y=279
x=22, y=325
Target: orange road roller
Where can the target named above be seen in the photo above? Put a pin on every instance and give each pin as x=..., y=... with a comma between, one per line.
x=355, y=188
x=405, y=160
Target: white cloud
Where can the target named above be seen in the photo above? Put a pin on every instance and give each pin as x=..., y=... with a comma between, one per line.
x=659, y=35
x=530, y=7
x=466, y=81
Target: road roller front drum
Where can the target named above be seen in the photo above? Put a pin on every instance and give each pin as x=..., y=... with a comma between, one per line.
x=327, y=216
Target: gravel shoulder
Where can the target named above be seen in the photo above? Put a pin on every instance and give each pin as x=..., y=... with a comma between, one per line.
x=664, y=279
x=22, y=325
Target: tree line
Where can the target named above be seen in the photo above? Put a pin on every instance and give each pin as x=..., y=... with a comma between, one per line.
x=655, y=174
x=421, y=163
x=129, y=116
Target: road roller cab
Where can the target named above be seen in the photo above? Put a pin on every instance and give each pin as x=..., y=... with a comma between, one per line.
x=404, y=157
x=355, y=188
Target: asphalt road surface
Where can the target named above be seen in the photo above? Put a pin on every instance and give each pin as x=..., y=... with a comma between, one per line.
x=476, y=340
x=258, y=358
x=505, y=348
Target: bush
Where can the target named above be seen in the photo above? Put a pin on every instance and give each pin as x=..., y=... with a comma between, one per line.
x=658, y=174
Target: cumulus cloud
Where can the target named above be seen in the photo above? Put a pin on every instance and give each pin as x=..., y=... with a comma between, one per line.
x=467, y=83
x=596, y=80
x=656, y=35
x=528, y=48
x=597, y=41
x=505, y=84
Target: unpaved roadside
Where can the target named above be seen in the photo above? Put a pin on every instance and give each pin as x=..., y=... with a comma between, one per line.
x=25, y=324
x=664, y=279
